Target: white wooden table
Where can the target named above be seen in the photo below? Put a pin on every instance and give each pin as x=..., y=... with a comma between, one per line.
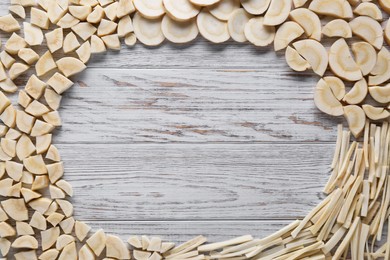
x=177, y=141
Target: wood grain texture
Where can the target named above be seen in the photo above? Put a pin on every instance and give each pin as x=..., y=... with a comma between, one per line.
x=195, y=181
x=192, y=105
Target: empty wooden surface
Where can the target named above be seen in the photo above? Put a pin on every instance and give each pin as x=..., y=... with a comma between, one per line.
x=220, y=140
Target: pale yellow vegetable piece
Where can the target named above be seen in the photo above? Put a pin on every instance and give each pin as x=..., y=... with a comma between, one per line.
x=24, y=147
x=68, y=21
x=18, y=10
x=35, y=164
x=80, y=12
x=9, y=116
x=52, y=98
x=81, y=230
x=49, y=254
x=336, y=85
x=43, y=142
x=309, y=21
x=9, y=24
x=236, y=24
x=25, y=241
x=148, y=31
x=45, y=64
x=335, y=8
x=39, y=18
x=53, y=154
x=326, y=101
x=97, y=45
x=86, y=253
x=211, y=28
x=35, y=87
x=17, y=69
x=365, y=56
x=358, y=93
x=368, y=29
x=370, y=10
x=315, y=54
x=125, y=26
x=49, y=237
x=38, y=221
x=96, y=15
x=150, y=9
x=258, y=33
x=29, y=195
x=55, y=171
x=37, y=109
x=356, y=119
x=116, y=248
x=337, y=28
x=224, y=9
x=255, y=7
x=277, y=12
x=15, y=209
x=52, y=118
x=28, y=55
x=70, y=66
x=286, y=33
x=380, y=93
x=112, y=42
x=204, y=2
x=84, y=30
x=32, y=34
x=69, y=252
x=65, y=186
x=23, y=228
x=295, y=61
x=179, y=32
x=181, y=10
x=97, y=242
x=71, y=43
x=130, y=39
x=376, y=113
x=124, y=8
x=8, y=146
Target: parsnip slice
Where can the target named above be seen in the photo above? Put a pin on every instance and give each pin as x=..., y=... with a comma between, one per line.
x=342, y=63
x=18, y=10
x=375, y=113
x=81, y=230
x=181, y=10
x=309, y=21
x=326, y=101
x=25, y=241
x=150, y=9
x=356, y=119
x=381, y=71
x=49, y=237
x=380, y=93
x=255, y=7
x=358, y=93
x=315, y=53
x=286, y=33
x=179, y=32
x=124, y=8
x=28, y=55
x=236, y=24
x=336, y=85
x=84, y=30
x=39, y=18
x=68, y=21
x=24, y=147
x=70, y=66
x=125, y=26
x=335, y=8
x=71, y=43
x=9, y=24
x=368, y=29
x=45, y=64
x=277, y=12
x=223, y=9
x=97, y=242
x=295, y=61
x=258, y=33
x=365, y=56
x=116, y=248
x=337, y=28
x=32, y=34
x=15, y=209
x=148, y=31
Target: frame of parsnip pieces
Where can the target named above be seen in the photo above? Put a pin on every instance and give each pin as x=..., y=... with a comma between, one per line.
x=348, y=223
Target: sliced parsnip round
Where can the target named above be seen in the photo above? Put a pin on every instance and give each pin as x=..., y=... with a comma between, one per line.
x=326, y=101
x=337, y=28
x=315, y=53
x=179, y=32
x=357, y=94
x=236, y=24
x=97, y=242
x=80, y=12
x=181, y=10
x=295, y=61
x=342, y=63
x=365, y=56
x=286, y=33
x=336, y=85
x=335, y=8
x=150, y=9
x=148, y=31
x=277, y=12
x=368, y=29
x=70, y=66
x=255, y=7
x=204, y=2
x=375, y=113
x=380, y=93
x=386, y=32
x=116, y=248
x=211, y=28
x=26, y=241
x=32, y=34
x=309, y=21
x=130, y=39
x=356, y=119
x=223, y=9
x=370, y=10
x=258, y=33
x=381, y=71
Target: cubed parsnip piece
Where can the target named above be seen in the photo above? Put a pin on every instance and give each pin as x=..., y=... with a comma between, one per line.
x=6, y=59
x=111, y=11
x=125, y=26
x=24, y=147
x=9, y=116
x=71, y=43
x=18, y=10
x=41, y=204
x=97, y=242
x=52, y=209
x=41, y=128
x=49, y=237
x=29, y=195
x=5, y=246
x=5, y=186
x=15, y=209
x=69, y=252
x=52, y=118
x=112, y=42
x=81, y=230
x=66, y=207
x=124, y=8
x=3, y=74
x=84, y=52
x=14, y=170
x=80, y=12
x=39, y=18
x=8, y=146
x=106, y=27
x=28, y=55
x=40, y=182
x=86, y=253
x=84, y=30
x=45, y=64
x=17, y=69
x=9, y=24
x=55, y=171
x=49, y=254
x=56, y=193
x=59, y=83
x=97, y=45
x=25, y=241
x=65, y=186
x=35, y=164
x=67, y=225
x=70, y=66
x=53, y=154
x=8, y=85
x=12, y=46
x=96, y=15
x=130, y=39
x=6, y=230
x=42, y=143
x=63, y=241
x=35, y=87
x=33, y=35
x=54, y=39
x=116, y=248
x=55, y=12
x=26, y=255
x=4, y=102
x=37, y=109
x=55, y=218
x=52, y=99
x=23, y=228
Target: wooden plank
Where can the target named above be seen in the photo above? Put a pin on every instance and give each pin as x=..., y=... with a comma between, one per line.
x=192, y=106
x=181, y=231
x=195, y=181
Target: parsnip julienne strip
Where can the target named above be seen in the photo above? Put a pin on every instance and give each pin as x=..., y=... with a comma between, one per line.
x=365, y=143
x=340, y=250
x=187, y=246
x=218, y=245
x=264, y=246
x=348, y=201
x=338, y=145
x=240, y=247
x=301, y=225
